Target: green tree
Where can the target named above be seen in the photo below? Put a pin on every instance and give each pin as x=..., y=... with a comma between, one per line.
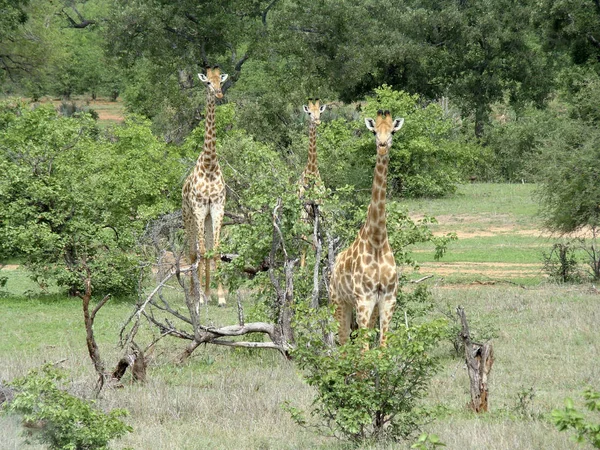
x=74, y=201
x=569, y=174
x=12, y=16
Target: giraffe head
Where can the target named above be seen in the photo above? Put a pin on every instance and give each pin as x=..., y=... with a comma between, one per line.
x=213, y=80
x=383, y=127
x=314, y=110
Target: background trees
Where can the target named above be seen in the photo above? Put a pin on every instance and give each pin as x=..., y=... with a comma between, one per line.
x=74, y=200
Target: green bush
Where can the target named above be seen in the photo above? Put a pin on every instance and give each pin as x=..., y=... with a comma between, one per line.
x=362, y=394
x=571, y=418
x=73, y=199
x=65, y=422
x=428, y=157
x=516, y=141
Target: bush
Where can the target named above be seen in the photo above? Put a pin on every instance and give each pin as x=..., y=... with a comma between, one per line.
x=365, y=394
x=570, y=418
x=73, y=199
x=65, y=421
x=516, y=141
x=561, y=263
x=428, y=157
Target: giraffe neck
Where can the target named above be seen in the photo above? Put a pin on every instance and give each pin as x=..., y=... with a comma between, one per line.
x=312, y=167
x=375, y=225
x=208, y=157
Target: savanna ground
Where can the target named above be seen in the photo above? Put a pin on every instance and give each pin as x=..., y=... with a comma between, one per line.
x=545, y=339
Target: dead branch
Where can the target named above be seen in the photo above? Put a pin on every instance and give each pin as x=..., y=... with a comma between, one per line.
x=420, y=280
x=479, y=359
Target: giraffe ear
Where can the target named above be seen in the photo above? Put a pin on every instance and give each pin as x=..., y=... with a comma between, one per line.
x=203, y=78
x=305, y=109
x=397, y=124
x=370, y=123
x=322, y=108
x=223, y=77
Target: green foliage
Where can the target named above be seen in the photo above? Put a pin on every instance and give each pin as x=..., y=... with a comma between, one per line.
x=561, y=264
x=516, y=140
x=571, y=418
x=427, y=441
x=568, y=191
x=427, y=158
x=365, y=394
x=66, y=422
x=73, y=199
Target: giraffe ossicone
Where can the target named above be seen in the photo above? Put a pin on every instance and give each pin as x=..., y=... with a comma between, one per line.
x=364, y=277
x=203, y=195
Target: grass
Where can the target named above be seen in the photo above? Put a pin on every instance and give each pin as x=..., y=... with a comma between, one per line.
x=500, y=237
x=544, y=335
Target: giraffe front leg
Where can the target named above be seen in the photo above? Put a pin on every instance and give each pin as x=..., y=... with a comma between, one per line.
x=365, y=309
x=386, y=308
x=217, y=213
x=200, y=254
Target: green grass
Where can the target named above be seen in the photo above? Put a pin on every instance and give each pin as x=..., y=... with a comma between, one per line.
x=544, y=336
x=497, y=227
x=490, y=199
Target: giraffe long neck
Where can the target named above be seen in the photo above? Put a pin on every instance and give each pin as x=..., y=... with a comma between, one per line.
x=375, y=225
x=312, y=166
x=208, y=157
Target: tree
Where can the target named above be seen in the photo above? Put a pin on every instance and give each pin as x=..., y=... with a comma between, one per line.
x=73, y=200
x=13, y=15
x=568, y=191
x=573, y=28
x=475, y=52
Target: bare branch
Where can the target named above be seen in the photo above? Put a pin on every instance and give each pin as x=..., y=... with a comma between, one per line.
x=100, y=304
x=420, y=280
x=266, y=11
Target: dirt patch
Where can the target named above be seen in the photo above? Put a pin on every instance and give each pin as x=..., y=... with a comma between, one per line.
x=9, y=267
x=488, y=269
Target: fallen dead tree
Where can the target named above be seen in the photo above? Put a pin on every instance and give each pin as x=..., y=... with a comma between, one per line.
x=184, y=321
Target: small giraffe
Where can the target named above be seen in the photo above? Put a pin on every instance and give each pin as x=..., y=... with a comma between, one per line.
x=310, y=176
x=203, y=192
x=364, y=276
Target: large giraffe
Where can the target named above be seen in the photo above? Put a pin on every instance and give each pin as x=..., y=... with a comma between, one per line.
x=364, y=276
x=203, y=192
x=310, y=177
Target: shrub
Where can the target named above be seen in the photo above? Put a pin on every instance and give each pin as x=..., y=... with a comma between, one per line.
x=561, y=263
x=366, y=394
x=570, y=418
x=427, y=159
x=65, y=421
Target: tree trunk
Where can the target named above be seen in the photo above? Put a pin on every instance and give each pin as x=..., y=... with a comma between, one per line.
x=479, y=359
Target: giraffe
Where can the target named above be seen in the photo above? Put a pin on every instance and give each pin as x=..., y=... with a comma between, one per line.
x=364, y=275
x=310, y=176
x=203, y=192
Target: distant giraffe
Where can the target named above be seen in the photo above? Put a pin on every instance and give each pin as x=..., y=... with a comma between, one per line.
x=203, y=192
x=310, y=177
x=364, y=276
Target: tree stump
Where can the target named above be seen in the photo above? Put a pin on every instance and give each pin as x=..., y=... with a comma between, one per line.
x=479, y=359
